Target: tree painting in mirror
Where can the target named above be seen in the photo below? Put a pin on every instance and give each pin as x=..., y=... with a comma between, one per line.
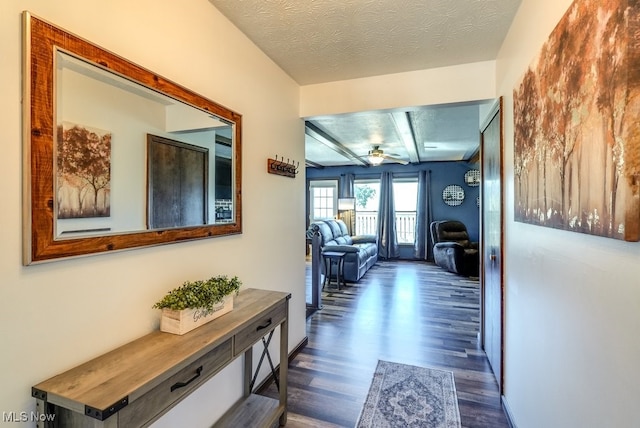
x=69, y=208
x=83, y=176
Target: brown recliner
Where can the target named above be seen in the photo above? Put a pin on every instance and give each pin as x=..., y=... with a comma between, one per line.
x=452, y=248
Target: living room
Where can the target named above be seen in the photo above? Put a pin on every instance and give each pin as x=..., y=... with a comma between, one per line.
x=571, y=299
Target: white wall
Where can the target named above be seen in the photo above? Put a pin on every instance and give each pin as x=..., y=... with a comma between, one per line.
x=572, y=300
x=128, y=117
x=57, y=315
x=460, y=83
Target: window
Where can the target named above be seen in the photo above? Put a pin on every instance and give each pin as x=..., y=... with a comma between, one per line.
x=367, y=193
x=323, y=199
x=405, y=199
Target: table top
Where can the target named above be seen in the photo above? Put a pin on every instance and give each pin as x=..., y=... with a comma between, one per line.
x=136, y=367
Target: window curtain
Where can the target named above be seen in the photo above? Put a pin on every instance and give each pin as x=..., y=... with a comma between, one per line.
x=387, y=238
x=423, y=246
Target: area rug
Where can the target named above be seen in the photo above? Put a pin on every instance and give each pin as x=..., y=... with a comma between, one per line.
x=408, y=396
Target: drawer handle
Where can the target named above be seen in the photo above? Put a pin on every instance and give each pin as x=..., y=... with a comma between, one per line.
x=178, y=385
x=262, y=327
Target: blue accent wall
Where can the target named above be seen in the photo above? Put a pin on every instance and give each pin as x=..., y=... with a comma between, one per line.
x=442, y=175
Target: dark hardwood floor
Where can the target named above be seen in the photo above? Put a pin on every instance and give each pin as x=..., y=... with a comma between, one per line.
x=407, y=312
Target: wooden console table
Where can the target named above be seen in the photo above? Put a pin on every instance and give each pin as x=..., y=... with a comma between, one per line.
x=135, y=384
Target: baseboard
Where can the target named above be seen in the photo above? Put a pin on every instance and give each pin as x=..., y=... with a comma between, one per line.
x=269, y=379
x=298, y=348
x=507, y=412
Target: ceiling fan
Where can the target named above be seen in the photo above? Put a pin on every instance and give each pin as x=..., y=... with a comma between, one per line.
x=376, y=156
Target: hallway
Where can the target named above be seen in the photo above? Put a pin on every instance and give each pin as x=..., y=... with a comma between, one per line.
x=407, y=312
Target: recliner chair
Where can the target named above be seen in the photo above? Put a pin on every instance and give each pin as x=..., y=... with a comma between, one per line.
x=452, y=248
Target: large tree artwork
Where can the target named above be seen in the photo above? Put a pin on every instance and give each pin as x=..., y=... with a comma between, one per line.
x=83, y=176
x=576, y=132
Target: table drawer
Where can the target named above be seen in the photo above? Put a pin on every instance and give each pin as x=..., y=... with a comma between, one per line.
x=263, y=325
x=172, y=390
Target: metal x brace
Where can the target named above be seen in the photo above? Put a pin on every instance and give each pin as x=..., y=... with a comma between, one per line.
x=265, y=351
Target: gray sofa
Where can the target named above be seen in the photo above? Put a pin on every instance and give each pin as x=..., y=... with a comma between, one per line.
x=361, y=251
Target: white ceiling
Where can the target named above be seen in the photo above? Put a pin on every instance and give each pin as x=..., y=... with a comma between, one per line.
x=426, y=134
x=317, y=41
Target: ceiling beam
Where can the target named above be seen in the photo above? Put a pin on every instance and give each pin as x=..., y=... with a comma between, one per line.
x=318, y=134
x=313, y=164
x=403, y=126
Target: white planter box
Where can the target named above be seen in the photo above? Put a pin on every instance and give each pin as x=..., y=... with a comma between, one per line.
x=181, y=322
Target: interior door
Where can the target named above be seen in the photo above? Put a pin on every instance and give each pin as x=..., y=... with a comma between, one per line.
x=492, y=238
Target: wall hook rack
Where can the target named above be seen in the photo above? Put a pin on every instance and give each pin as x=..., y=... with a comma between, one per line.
x=280, y=167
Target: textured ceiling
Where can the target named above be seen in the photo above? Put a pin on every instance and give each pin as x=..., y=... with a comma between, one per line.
x=425, y=134
x=317, y=41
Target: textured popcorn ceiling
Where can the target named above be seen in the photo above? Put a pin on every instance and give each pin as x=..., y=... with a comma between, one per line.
x=318, y=41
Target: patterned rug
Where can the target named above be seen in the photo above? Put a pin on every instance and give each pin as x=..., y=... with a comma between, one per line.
x=408, y=396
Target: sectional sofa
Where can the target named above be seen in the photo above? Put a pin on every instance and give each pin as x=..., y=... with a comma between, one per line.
x=361, y=250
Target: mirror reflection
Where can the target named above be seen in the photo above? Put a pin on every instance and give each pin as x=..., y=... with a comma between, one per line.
x=128, y=158
x=90, y=184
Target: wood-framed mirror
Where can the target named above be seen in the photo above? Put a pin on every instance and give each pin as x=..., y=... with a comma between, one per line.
x=88, y=115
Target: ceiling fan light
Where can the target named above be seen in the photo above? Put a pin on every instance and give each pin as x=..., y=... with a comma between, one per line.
x=375, y=160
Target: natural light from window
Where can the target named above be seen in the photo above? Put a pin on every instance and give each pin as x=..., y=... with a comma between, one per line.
x=405, y=198
x=367, y=194
x=323, y=199
x=405, y=195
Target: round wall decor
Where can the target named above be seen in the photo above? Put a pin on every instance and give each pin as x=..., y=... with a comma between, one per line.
x=472, y=177
x=453, y=195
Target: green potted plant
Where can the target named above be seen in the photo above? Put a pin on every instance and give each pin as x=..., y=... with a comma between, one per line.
x=196, y=303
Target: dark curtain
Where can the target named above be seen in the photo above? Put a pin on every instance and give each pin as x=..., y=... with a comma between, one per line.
x=423, y=247
x=387, y=238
